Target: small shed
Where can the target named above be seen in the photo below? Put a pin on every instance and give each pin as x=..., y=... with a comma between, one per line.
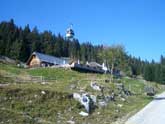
x=43, y=60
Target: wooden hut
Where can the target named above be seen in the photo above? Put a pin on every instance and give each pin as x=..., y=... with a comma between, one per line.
x=43, y=60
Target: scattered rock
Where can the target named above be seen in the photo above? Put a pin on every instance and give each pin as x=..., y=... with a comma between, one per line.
x=35, y=96
x=149, y=91
x=107, y=98
x=71, y=122
x=4, y=85
x=95, y=86
x=120, y=105
x=2, y=122
x=102, y=103
x=77, y=96
x=123, y=90
x=43, y=92
x=70, y=96
x=83, y=114
x=30, y=101
x=127, y=92
x=123, y=99
x=93, y=97
x=85, y=100
x=59, y=122
x=120, y=86
x=82, y=90
x=43, y=83
x=110, y=98
x=72, y=86
x=117, y=110
x=107, y=80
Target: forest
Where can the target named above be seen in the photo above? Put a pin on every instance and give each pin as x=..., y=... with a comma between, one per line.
x=19, y=42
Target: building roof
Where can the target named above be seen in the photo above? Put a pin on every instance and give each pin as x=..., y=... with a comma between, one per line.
x=48, y=58
x=94, y=64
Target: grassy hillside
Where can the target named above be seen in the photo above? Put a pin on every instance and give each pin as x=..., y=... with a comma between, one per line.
x=48, y=100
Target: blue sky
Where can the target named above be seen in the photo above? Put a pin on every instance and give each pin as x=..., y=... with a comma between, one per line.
x=139, y=25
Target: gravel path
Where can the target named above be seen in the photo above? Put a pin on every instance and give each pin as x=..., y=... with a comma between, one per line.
x=153, y=113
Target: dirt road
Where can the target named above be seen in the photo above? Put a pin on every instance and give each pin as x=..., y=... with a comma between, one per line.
x=153, y=113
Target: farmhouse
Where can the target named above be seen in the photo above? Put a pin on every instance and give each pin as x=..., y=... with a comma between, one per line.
x=43, y=60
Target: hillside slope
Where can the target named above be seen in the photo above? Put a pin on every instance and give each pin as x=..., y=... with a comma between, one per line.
x=43, y=95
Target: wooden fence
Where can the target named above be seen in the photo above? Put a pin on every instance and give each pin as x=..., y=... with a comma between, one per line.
x=29, y=78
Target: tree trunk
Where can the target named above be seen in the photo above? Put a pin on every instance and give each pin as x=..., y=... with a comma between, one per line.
x=111, y=78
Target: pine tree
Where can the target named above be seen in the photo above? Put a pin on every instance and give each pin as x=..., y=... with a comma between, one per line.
x=15, y=50
x=157, y=72
x=162, y=74
x=162, y=60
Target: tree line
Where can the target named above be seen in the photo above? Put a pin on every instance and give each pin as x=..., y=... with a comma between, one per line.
x=18, y=43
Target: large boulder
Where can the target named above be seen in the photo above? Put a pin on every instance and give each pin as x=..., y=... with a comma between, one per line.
x=149, y=91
